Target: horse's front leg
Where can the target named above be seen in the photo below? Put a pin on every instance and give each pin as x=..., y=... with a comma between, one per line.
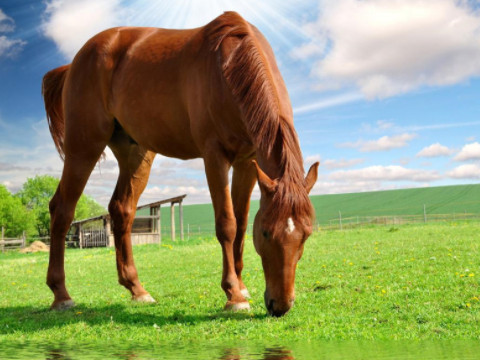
x=216, y=168
x=134, y=163
x=243, y=181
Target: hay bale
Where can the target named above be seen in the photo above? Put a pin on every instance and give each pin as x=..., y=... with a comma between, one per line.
x=36, y=246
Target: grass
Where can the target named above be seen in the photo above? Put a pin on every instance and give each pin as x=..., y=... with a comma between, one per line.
x=412, y=282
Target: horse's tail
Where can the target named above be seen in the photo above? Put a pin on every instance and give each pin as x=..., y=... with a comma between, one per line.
x=52, y=87
x=248, y=75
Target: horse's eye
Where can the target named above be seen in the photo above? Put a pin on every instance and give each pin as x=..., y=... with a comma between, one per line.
x=265, y=234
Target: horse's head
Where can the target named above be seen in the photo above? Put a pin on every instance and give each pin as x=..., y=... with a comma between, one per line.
x=279, y=234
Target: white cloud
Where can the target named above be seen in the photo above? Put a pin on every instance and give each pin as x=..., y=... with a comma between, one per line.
x=382, y=144
x=328, y=102
x=434, y=150
x=467, y=171
x=313, y=158
x=6, y=23
x=8, y=47
x=195, y=194
x=385, y=173
x=384, y=124
x=386, y=47
x=307, y=50
x=469, y=152
x=332, y=164
x=322, y=187
x=71, y=23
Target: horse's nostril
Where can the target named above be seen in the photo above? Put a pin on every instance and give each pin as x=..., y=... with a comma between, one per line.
x=270, y=305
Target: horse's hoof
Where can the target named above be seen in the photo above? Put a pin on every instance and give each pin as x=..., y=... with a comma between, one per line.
x=245, y=293
x=237, y=306
x=62, y=305
x=146, y=298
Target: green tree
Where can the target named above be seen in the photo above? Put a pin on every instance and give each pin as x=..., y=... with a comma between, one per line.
x=14, y=217
x=36, y=195
x=88, y=207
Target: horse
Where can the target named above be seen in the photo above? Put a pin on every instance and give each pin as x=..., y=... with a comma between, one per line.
x=213, y=92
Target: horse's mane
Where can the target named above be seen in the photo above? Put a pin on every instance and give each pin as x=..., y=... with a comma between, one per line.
x=248, y=75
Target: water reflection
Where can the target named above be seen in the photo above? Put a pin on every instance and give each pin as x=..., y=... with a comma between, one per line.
x=171, y=351
x=56, y=354
x=245, y=350
x=274, y=353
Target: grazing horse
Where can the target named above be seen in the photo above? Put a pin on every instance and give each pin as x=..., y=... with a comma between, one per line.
x=214, y=92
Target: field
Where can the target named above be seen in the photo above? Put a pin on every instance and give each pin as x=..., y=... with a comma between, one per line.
x=411, y=282
x=457, y=199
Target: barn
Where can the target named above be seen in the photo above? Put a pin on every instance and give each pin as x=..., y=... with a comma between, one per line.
x=146, y=229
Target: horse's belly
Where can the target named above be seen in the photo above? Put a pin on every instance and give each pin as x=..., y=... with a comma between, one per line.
x=164, y=130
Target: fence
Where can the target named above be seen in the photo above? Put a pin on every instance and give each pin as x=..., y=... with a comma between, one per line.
x=208, y=230
x=392, y=220
x=11, y=243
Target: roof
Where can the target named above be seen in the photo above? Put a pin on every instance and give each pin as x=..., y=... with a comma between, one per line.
x=177, y=199
x=173, y=200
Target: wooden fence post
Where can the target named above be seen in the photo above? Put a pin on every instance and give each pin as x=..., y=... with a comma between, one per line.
x=159, y=223
x=172, y=220
x=80, y=236
x=180, y=211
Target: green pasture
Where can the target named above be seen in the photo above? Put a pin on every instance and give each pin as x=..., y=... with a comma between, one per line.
x=412, y=282
x=456, y=199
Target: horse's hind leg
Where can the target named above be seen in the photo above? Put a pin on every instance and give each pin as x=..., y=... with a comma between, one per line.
x=80, y=159
x=135, y=164
x=243, y=181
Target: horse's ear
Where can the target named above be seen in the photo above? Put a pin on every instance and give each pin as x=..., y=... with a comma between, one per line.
x=267, y=185
x=311, y=177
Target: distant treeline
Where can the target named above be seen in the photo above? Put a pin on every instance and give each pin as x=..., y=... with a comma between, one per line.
x=27, y=210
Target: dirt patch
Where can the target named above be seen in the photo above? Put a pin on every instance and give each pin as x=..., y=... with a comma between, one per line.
x=36, y=246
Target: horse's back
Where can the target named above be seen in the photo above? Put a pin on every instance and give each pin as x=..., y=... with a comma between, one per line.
x=167, y=88
x=134, y=75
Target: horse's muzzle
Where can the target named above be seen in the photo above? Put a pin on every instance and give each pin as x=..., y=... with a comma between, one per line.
x=277, y=308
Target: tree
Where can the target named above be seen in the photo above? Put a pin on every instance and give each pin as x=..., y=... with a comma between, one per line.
x=36, y=195
x=14, y=217
x=88, y=207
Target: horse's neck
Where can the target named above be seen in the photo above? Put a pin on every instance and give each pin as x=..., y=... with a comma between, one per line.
x=277, y=168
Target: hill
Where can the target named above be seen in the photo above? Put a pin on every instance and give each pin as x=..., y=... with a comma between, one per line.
x=437, y=200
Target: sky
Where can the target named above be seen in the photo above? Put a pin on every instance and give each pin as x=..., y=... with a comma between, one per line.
x=385, y=93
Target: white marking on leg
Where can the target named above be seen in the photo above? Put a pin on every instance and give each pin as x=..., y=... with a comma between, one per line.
x=64, y=305
x=245, y=293
x=146, y=298
x=290, y=225
x=240, y=306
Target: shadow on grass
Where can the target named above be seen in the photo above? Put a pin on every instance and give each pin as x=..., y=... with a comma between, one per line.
x=28, y=319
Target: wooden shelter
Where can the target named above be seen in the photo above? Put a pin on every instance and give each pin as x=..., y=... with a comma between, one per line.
x=146, y=229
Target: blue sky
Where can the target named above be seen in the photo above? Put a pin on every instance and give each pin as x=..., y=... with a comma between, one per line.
x=385, y=93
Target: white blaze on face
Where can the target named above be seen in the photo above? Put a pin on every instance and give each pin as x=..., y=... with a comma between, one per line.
x=290, y=225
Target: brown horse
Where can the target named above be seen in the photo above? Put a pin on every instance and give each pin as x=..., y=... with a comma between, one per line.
x=213, y=92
